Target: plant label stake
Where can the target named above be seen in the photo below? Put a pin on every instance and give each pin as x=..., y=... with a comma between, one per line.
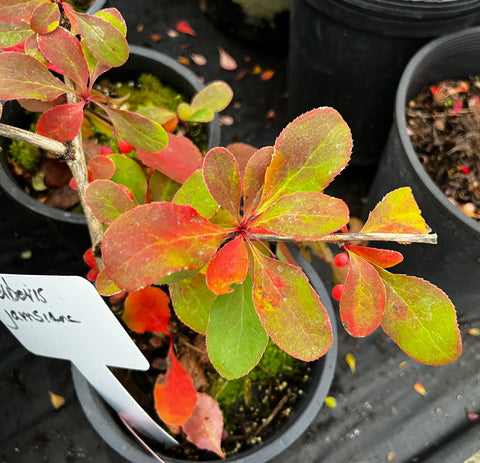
x=64, y=317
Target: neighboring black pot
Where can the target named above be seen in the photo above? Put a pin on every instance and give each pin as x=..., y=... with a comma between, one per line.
x=265, y=30
x=96, y=5
x=172, y=73
x=453, y=264
x=106, y=423
x=349, y=54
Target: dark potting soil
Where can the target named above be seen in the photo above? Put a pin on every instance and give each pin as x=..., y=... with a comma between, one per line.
x=253, y=407
x=444, y=128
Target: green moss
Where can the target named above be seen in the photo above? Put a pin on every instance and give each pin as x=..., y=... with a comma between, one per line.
x=26, y=155
x=274, y=367
x=149, y=91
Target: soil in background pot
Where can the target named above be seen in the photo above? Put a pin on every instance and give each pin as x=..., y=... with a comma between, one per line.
x=444, y=128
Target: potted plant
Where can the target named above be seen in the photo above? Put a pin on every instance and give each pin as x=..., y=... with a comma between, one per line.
x=455, y=267
x=214, y=250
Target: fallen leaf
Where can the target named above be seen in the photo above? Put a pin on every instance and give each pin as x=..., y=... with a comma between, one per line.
x=199, y=60
x=140, y=28
x=183, y=60
x=57, y=400
x=267, y=74
x=271, y=114
x=473, y=331
x=257, y=69
x=154, y=37
x=473, y=416
x=185, y=28
x=403, y=364
x=391, y=456
x=420, y=389
x=350, y=359
x=457, y=107
x=172, y=33
x=226, y=120
x=205, y=427
x=226, y=61
x=330, y=402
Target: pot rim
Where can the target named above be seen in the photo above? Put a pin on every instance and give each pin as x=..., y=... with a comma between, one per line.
x=100, y=415
x=403, y=95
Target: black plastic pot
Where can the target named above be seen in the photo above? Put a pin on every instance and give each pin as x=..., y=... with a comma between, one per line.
x=349, y=54
x=453, y=264
x=267, y=29
x=106, y=423
x=96, y=5
x=141, y=59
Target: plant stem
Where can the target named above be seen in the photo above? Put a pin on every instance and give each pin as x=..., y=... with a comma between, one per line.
x=342, y=238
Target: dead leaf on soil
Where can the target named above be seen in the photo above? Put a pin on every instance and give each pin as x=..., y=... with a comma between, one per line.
x=226, y=61
x=57, y=400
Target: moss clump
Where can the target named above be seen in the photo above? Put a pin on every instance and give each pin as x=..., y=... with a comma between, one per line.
x=25, y=155
x=273, y=370
x=149, y=91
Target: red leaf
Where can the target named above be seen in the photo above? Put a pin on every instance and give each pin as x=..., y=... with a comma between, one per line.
x=67, y=58
x=185, y=28
x=222, y=177
x=205, y=426
x=61, y=123
x=229, y=266
x=363, y=298
x=14, y=11
x=147, y=310
x=45, y=18
x=101, y=167
x=180, y=159
x=174, y=395
x=382, y=257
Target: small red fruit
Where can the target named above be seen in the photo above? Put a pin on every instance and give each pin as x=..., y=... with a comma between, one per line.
x=104, y=150
x=124, y=147
x=337, y=292
x=73, y=184
x=465, y=169
x=340, y=260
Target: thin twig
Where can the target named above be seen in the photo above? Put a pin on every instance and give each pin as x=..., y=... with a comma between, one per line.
x=272, y=415
x=341, y=238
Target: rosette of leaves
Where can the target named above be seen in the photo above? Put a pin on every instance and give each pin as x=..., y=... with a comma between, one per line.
x=208, y=244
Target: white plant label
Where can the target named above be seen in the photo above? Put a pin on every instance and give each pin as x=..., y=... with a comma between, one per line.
x=64, y=317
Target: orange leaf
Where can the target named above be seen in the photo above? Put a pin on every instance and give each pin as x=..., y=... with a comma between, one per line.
x=267, y=74
x=382, y=257
x=229, y=266
x=147, y=310
x=419, y=387
x=174, y=395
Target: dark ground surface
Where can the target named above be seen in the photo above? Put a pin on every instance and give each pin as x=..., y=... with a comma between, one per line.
x=379, y=416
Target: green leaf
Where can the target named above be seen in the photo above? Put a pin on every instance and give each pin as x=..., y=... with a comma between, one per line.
x=179, y=160
x=229, y=266
x=138, y=130
x=194, y=192
x=128, y=173
x=216, y=96
x=18, y=10
x=45, y=18
x=105, y=286
x=23, y=77
x=236, y=340
x=107, y=200
x=68, y=58
x=163, y=188
x=104, y=40
x=421, y=319
x=185, y=113
x=155, y=240
x=13, y=33
x=114, y=17
x=192, y=300
x=304, y=216
x=290, y=310
x=157, y=114
x=222, y=177
x=363, y=298
x=309, y=153
x=255, y=179
x=397, y=212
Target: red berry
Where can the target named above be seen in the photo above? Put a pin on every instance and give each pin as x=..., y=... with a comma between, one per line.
x=92, y=274
x=73, y=184
x=89, y=259
x=465, y=169
x=337, y=292
x=104, y=150
x=124, y=147
x=340, y=260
